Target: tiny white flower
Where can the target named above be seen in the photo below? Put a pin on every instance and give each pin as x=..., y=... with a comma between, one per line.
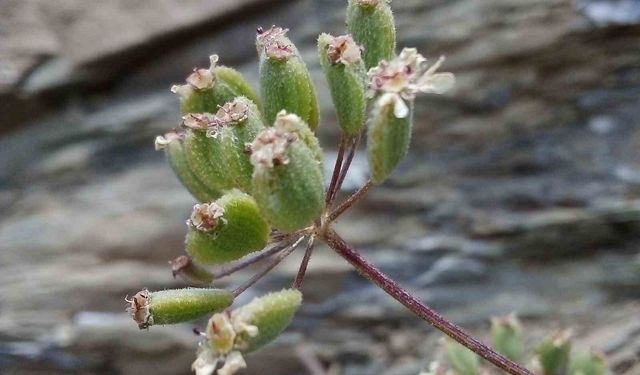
x=406, y=76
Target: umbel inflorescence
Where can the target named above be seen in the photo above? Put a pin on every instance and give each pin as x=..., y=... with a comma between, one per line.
x=253, y=162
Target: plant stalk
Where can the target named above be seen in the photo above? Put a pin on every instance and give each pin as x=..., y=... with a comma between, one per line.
x=353, y=199
x=336, y=170
x=274, y=262
x=418, y=308
x=302, y=271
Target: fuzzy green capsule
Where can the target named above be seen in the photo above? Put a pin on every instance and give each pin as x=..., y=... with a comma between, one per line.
x=587, y=363
x=172, y=143
x=372, y=26
x=270, y=314
x=552, y=355
x=388, y=137
x=462, y=360
x=341, y=61
x=285, y=82
x=207, y=89
x=287, y=179
x=506, y=336
x=215, y=144
x=176, y=305
x=226, y=229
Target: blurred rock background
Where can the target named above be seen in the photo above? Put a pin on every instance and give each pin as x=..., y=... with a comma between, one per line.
x=522, y=191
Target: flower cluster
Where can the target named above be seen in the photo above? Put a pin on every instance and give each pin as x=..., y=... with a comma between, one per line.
x=407, y=75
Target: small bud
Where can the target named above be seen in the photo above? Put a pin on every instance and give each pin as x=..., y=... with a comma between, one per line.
x=552, y=356
x=344, y=70
x=372, y=26
x=226, y=229
x=287, y=179
x=216, y=144
x=285, y=82
x=506, y=335
x=388, y=136
x=244, y=330
x=587, y=363
x=462, y=360
x=176, y=305
x=206, y=89
x=172, y=143
x=190, y=272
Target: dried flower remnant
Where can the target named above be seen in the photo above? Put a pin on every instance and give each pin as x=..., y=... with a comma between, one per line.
x=198, y=80
x=406, y=76
x=205, y=217
x=139, y=309
x=344, y=50
x=270, y=149
x=229, y=113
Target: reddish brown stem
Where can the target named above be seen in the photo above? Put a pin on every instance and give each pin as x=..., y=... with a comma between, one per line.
x=336, y=171
x=243, y=263
x=347, y=163
x=421, y=310
x=297, y=284
x=353, y=199
x=267, y=269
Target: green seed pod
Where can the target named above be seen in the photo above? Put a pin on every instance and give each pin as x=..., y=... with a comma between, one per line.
x=462, y=360
x=285, y=82
x=287, y=179
x=587, y=363
x=270, y=314
x=176, y=305
x=506, y=336
x=173, y=145
x=552, y=355
x=371, y=24
x=388, y=137
x=345, y=73
x=226, y=229
x=207, y=89
x=215, y=144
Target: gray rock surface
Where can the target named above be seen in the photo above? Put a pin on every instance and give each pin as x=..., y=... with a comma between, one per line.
x=521, y=191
